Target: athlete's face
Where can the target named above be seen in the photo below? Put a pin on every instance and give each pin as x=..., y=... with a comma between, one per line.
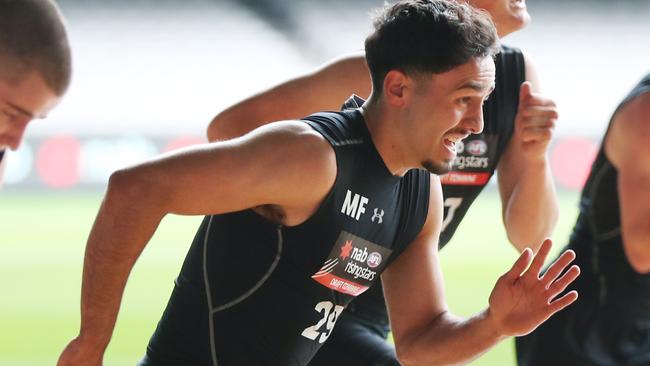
x=447, y=108
x=20, y=103
x=508, y=15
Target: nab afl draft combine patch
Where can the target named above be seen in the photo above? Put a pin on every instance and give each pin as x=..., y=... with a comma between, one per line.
x=353, y=265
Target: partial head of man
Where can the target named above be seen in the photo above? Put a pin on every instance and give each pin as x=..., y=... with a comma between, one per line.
x=35, y=65
x=508, y=15
x=432, y=67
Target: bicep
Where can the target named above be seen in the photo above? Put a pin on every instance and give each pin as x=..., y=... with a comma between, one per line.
x=268, y=166
x=323, y=89
x=413, y=283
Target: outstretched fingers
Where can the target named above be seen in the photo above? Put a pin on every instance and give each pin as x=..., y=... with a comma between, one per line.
x=557, y=267
x=540, y=257
x=562, y=302
x=520, y=265
x=560, y=285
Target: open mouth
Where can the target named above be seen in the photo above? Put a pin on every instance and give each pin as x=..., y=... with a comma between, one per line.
x=450, y=143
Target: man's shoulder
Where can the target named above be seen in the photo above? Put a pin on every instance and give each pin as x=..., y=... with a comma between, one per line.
x=340, y=128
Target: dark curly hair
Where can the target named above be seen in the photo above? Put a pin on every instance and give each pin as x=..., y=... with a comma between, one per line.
x=431, y=36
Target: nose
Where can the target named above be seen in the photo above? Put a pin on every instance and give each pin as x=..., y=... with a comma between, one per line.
x=473, y=120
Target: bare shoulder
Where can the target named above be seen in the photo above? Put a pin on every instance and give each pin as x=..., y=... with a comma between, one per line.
x=627, y=139
x=296, y=139
x=298, y=153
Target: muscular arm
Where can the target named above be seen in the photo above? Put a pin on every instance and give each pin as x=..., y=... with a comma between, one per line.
x=418, y=311
x=529, y=202
x=324, y=89
x=426, y=333
x=295, y=164
x=627, y=148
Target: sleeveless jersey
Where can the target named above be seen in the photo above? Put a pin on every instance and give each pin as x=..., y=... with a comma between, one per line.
x=473, y=167
x=599, y=223
x=609, y=324
x=253, y=292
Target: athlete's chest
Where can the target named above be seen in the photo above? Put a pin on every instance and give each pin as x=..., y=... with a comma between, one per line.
x=347, y=244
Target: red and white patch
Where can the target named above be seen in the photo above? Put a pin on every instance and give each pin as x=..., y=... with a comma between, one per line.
x=353, y=265
x=465, y=178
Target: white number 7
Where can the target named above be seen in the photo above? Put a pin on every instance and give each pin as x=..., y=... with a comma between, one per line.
x=325, y=307
x=453, y=203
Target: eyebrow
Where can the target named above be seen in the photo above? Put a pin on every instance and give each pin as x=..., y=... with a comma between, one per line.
x=476, y=86
x=21, y=110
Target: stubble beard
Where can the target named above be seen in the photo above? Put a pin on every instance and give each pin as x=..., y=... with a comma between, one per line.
x=437, y=168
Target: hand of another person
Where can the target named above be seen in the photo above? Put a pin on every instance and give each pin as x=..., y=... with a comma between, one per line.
x=522, y=299
x=534, y=123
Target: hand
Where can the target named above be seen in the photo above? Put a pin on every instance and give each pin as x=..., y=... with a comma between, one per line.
x=522, y=300
x=79, y=353
x=534, y=123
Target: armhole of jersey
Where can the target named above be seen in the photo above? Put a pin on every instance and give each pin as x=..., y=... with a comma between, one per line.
x=421, y=190
x=513, y=74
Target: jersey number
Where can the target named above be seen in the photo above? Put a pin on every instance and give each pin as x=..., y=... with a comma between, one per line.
x=329, y=319
x=452, y=203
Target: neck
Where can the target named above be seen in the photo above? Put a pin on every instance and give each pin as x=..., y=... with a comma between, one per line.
x=384, y=131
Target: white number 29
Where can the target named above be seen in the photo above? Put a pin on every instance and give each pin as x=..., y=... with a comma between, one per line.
x=329, y=317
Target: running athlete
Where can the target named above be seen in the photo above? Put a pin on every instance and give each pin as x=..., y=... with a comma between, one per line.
x=518, y=126
x=610, y=324
x=291, y=240
x=35, y=66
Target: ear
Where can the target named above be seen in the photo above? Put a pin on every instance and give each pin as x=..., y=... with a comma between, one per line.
x=397, y=88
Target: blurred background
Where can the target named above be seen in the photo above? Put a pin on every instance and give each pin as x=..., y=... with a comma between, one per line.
x=150, y=74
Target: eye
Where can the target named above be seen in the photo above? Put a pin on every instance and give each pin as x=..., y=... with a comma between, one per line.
x=465, y=100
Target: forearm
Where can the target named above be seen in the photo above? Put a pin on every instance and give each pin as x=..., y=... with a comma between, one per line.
x=123, y=226
x=532, y=210
x=449, y=340
x=323, y=89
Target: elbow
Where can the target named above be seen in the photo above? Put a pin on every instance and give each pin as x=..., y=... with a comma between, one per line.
x=408, y=357
x=531, y=233
x=408, y=354
x=406, y=349
x=522, y=239
x=221, y=127
x=405, y=356
x=213, y=131
x=132, y=187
